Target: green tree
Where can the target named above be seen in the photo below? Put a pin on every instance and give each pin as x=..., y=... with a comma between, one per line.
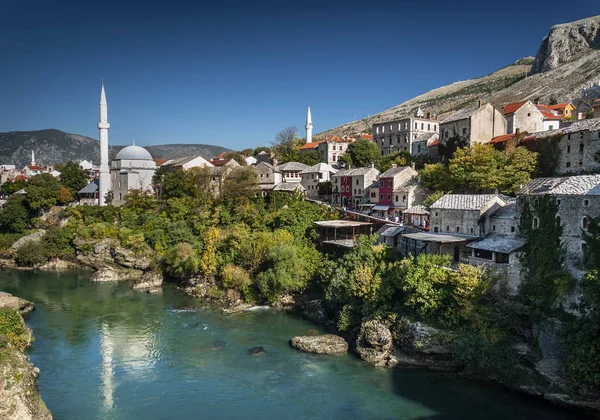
x=384, y=163
x=240, y=185
x=309, y=158
x=11, y=187
x=14, y=216
x=361, y=153
x=237, y=156
x=477, y=168
x=436, y=177
x=42, y=192
x=73, y=177
x=287, y=145
x=182, y=261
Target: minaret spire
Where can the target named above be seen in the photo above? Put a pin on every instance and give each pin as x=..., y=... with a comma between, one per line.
x=308, y=126
x=32, y=158
x=103, y=126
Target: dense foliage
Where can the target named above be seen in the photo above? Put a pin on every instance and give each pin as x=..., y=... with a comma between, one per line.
x=13, y=330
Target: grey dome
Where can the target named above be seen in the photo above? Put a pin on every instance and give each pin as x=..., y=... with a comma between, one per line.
x=133, y=153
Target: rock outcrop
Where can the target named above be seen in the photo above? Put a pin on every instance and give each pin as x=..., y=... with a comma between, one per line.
x=109, y=273
x=374, y=343
x=150, y=281
x=315, y=311
x=567, y=42
x=34, y=237
x=324, y=344
x=20, y=305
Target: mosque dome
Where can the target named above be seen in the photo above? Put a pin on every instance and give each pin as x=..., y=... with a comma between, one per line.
x=133, y=153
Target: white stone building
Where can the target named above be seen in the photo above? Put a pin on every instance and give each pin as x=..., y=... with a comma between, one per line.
x=290, y=171
x=401, y=135
x=187, y=163
x=523, y=116
x=132, y=169
x=314, y=175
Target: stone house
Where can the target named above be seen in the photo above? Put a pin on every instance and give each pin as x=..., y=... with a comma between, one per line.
x=314, y=175
x=331, y=149
x=349, y=186
x=578, y=199
x=186, y=163
x=502, y=254
x=552, y=120
x=268, y=176
x=476, y=125
x=400, y=135
x=523, y=116
x=578, y=145
x=290, y=171
x=399, y=189
x=421, y=144
x=464, y=213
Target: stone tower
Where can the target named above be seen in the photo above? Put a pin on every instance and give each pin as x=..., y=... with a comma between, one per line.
x=103, y=126
x=308, y=126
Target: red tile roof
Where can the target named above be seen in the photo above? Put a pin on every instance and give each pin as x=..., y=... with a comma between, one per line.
x=20, y=177
x=549, y=115
x=510, y=108
x=308, y=146
x=35, y=168
x=502, y=139
x=434, y=143
x=160, y=162
x=558, y=106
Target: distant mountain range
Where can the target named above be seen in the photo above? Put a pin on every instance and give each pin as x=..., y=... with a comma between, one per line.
x=567, y=61
x=54, y=146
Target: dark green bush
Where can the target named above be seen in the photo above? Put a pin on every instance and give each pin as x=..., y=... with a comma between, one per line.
x=32, y=254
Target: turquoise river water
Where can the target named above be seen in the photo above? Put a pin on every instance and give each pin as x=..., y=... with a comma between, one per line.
x=108, y=352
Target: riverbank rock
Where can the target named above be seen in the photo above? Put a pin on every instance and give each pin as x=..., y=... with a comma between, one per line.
x=114, y=274
x=34, y=237
x=315, y=311
x=58, y=264
x=150, y=281
x=130, y=259
x=548, y=334
x=374, y=343
x=323, y=344
x=237, y=309
x=21, y=305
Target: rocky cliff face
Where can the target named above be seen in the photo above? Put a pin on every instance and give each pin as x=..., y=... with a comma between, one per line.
x=567, y=42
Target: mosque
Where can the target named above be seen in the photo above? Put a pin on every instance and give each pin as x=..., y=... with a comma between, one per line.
x=132, y=168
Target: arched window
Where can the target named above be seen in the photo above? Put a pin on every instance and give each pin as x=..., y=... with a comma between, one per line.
x=389, y=197
x=557, y=220
x=584, y=223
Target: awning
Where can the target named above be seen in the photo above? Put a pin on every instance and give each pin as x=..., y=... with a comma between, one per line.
x=366, y=205
x=381, y=208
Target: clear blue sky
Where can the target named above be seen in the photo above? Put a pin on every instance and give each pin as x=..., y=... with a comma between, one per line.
x=234, y=73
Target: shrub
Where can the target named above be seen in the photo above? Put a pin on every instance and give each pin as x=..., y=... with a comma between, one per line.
x=237, y=278
x=7, y=240
x=181, y=261
x=13, y=328
x=58, y=242
x=32, y=254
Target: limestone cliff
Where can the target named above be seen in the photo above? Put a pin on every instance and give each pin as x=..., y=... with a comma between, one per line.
x=567, y=42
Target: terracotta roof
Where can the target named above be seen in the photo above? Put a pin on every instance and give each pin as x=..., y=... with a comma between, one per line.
x=366, y=136
x=559, y=106
x=548, y=115
x=160, y=162
x=510, y=108
x=502, y=139
x=309, y=146
x=20, y=177
x=434, y=143
x=35, y=168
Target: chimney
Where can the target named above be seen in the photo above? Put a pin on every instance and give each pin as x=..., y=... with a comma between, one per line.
x=479, y=103
x=394, y=165
x=372, y=164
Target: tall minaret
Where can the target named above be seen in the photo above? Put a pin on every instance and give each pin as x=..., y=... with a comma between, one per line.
x=308, y=126
x=103, y=126
x=32, y=158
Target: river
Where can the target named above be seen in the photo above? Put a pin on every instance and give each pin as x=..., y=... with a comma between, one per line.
x=108, y=352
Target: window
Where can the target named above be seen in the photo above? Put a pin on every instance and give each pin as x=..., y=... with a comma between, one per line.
x=447, y=228
x=536, y=222
x=558, y=202
x=529, y=114
x=347, y=188
x=333, y=158
x=416, y=125
x=580, y=163
x=512, y=229
x=405, y=138
x=355, y=191
x=435, y=229
x=434, y=127
x=422, y=126
x=396, y=198
x=391, y=127
x=551, y=127
x=389, y=182
x=581, y=148
x=569, y=136
x=390, y=140
x=428, y=127
x=381, y=196
x=502, y=258
x=568, y=164
x=334, y=147
x=457, y=229
x=446, y=134
x=377, y=130
x=373, y=195
x=557, y=220
x=581, y=135
x=399, y=126
x=484, y=254
x=494, y=228
x=472, y=230
x=584, y=223
x=586, y=202
x=357, y=182
x=406, y=126
x=436, y=214
x=383, y=129
x=464, y=131
x=568, y=149
x=419, y=148
x=389, y=197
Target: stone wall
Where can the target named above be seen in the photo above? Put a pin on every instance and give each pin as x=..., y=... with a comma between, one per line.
x=577, y=153
x=445, y=220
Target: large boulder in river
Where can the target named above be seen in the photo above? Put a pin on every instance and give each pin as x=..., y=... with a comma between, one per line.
x=21, y=305
x=109, y=273
x=325, y=344
x=150, y=281
x=374, y=343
